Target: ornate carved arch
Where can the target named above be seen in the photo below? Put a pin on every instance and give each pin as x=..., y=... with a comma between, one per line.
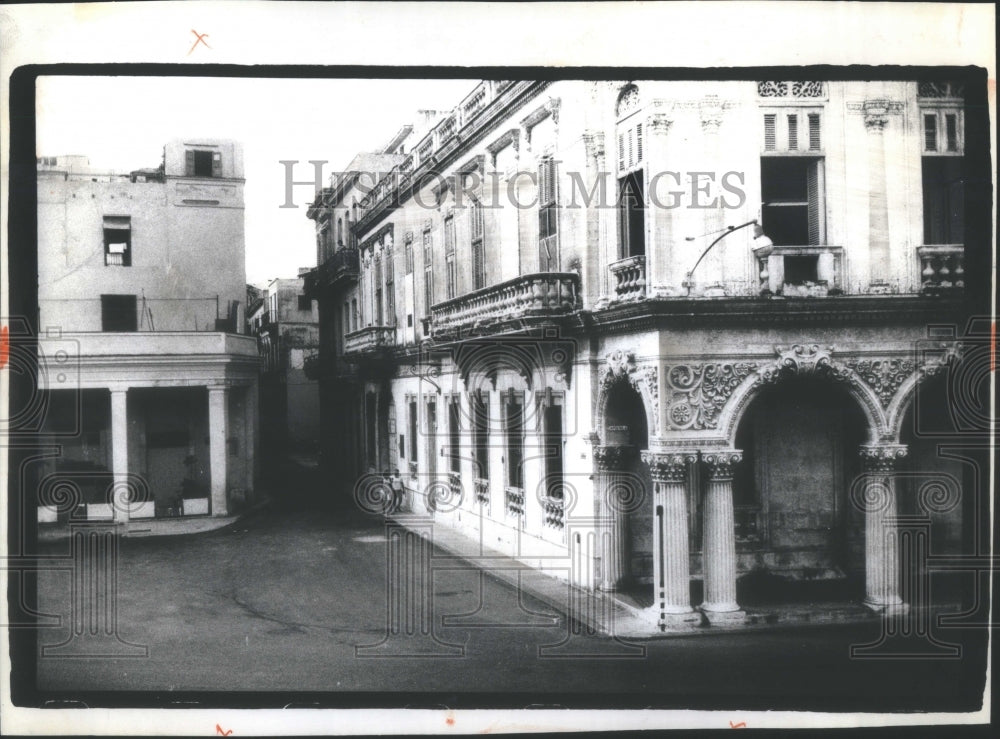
x=620, y=367
x=921, y=370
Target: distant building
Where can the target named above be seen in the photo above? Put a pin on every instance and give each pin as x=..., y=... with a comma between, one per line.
x=144, y=360
x=286, y=323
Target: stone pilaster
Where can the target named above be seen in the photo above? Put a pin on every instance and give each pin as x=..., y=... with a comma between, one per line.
x=119, y=499
x=878, y=501
x=719, y=547
x=671, y=551
x=876, y=117
x=614, y=493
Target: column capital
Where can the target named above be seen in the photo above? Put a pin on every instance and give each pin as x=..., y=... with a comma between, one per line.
x=659, y=123
x=721, y=462
x=614, y=457
x=882, y=457
x=669, y=466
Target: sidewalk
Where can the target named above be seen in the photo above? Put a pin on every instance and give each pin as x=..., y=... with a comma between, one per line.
x=606, y=614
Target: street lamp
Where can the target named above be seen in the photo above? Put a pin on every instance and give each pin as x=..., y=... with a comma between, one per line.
x=758, y=236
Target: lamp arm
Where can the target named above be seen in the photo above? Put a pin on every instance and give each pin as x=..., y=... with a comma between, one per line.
x=717, y=240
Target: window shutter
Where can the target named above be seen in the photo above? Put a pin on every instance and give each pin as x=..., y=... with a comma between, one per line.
x=216, y=164
x=189, y=163
x=951, y=131
x=930, y=132
x=631, y=147
x=814, y=204
x=793, y=131
x=815, y=144
x=621, y=151
x=769, y=132
x=638, y=142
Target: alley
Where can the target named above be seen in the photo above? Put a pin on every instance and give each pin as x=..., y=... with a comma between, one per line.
x=281, y=600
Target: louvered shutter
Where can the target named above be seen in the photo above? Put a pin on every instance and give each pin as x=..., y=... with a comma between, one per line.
x=638, y=143
x=930, y=133
x=189, y=163
x=814, y=203
x=815, y=144
x=621, y=151
x=793, y=131
x=951, y=132
x=770, y=139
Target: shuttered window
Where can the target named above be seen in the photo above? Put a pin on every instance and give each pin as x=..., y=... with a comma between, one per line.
x=783, y=132
x=477, y=230
x=943, y=131
x=548, y=215
x=630, y=147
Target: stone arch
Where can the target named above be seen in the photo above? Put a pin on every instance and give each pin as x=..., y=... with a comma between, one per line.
x=802, y=360
x=620, y=367
x=903, y=398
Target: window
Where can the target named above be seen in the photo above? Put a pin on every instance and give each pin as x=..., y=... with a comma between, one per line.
x=630, y=147
x=943, y=174
x=451, y=269
x=412, y=422
x=548, y=216
x=481, y=435
x=118, y=313
x=792, y=130
x=203, y=163
x=476, y=228
x=431, y=437
x=378, y=291
x=455, y=435
x=390, y=288
x=428, y=273
x=355, y=318
x=631, y=216
x=792, y=194
x=408, y=251
x=514, y=428
x=118, y=241
x=553, y=419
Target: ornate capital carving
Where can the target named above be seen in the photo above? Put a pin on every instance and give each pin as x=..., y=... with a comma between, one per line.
x=620, y=363
x=698, y=393
x=721, y=462
x=593, y=142
x=882, y=458
x=669, y=466
x=883, y=376
x=611, y=458
x=659, y=123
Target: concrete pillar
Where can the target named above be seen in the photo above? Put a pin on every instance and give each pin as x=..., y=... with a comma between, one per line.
x=671, y=552
x=119, y=454
x=719, y=547
x=878, y=493
x=250, y=442
x=878, y=207
x=217, y=447
x=614, y=491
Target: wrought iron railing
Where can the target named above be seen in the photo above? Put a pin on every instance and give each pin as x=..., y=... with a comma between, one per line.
x=481, y=489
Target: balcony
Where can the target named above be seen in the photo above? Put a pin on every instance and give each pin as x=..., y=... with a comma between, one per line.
x=370, y=340
x=481, y=490
x=342, y=265
x=628, y=277
x=942, y=267
x=541, y=295
x=514, y=501
x=555, y=512
x=800, y=271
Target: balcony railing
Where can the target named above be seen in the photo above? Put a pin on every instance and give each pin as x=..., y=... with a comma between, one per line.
x=535, y=295
x=554, y=512
x=369, y=339
x=629, y=278
x=343, y=263
x=514, y=501
x=800, y=271
x=481, y=489
x=942, y=267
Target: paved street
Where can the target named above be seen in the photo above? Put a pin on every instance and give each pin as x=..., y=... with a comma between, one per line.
x=279, y=601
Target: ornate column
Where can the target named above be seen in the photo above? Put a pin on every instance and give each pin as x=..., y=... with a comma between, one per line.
x=671, y=551
x=878, y=501
x=876, y=116
x=119, y=455
x=613, y=491
x=719, y=546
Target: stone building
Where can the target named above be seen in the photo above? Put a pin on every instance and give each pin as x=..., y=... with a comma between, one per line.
x=659, y=338
x=149, y=376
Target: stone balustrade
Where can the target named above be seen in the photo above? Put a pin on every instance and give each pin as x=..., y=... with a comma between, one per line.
x=369, y=339
x=534, y=295
x=555, y=512
x=514, y=501
x=629, y=278
x=942, y=267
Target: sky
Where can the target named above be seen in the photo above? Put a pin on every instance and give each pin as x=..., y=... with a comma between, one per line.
x=121, y=124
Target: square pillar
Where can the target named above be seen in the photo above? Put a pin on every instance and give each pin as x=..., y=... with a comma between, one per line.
x=119, y=454
x=217, y=447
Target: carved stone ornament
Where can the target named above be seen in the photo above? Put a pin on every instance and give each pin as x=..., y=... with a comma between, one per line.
x=669, y=467
x=882, y=458
x=620, y=363
x=720, y=463
x=698, y=393
x=801, y=359
x=620, y=366
x=614, y=457
x=883, y=376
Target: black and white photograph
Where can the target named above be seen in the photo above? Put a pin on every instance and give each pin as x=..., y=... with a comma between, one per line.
x=497, y=387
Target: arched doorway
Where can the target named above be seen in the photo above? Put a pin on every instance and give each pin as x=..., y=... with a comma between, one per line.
x=798, y=537
x=626, y=429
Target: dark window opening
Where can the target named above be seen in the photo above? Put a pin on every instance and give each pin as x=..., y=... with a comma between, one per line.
x=480, y=431
x=514, y=422
x=454, y=435
x=792, y=208
x=118, y=313
x=118, y=241
x=800, y=269
x=631, y=216
x=554, y=451
x=413, y=430
x=305, y=302
x=944, y=200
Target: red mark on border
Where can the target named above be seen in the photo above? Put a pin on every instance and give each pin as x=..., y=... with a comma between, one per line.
x=4, y=346
x=450, y=721
x=199, y=40
x=218, y=730
x=740, y=725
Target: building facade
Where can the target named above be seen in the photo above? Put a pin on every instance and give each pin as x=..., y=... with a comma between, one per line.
x=149, y=375
x=286, y=324
x=659, y=338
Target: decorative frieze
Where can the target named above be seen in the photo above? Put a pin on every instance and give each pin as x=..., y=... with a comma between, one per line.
x=698, y=393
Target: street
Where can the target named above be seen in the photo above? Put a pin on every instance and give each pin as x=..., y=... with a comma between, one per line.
x=280, y=601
